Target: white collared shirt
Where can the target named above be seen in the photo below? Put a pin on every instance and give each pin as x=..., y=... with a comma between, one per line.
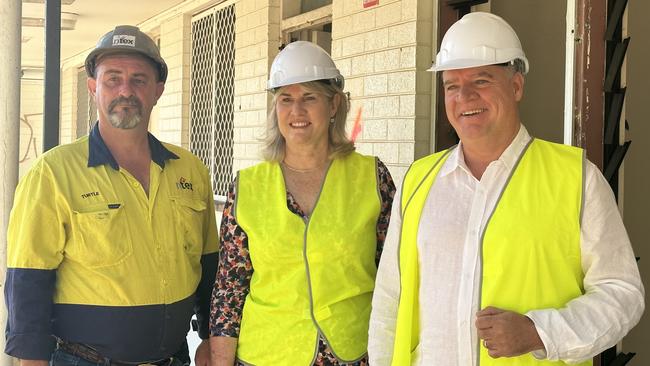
x=449, y=239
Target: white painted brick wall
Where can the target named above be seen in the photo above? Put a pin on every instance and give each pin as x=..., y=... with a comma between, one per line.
x=402, y=34
x=68, y=106
x=375, y=84
x=257, y=40
x=400, y=129
x=387, y=60
x=379, y=50
x=407, y=105
x=173, y=106
x=362, y=64
x=387, y=106
x=401, y=82
x=410, y=8
x=376, y=129
x=376, y=40
x=389, y=14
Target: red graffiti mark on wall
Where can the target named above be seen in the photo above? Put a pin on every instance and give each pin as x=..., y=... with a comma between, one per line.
x=31, y=141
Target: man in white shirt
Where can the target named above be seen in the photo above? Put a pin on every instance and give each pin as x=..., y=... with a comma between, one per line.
x=503, y=250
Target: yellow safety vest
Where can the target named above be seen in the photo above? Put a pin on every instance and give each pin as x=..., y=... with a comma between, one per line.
x=312, y=276
x=530, y=248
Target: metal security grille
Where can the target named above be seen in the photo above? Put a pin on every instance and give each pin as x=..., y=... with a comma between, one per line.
x=212, y=93
x=86, y=110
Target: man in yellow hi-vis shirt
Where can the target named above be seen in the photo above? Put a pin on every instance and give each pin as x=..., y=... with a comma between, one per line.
x=112, y=239
x=503, y=250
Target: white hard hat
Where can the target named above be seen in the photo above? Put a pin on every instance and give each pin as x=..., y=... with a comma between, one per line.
x=300, y=62
x=479, y=39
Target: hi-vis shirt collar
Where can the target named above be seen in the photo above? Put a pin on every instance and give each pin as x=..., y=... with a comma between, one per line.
x=99, y=154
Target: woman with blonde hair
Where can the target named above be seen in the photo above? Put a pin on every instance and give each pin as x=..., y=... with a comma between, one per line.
x=302, y=232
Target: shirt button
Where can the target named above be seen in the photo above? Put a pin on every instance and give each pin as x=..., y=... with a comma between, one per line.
x=136, y=184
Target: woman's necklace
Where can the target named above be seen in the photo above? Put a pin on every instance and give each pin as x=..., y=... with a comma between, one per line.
x=298, y=170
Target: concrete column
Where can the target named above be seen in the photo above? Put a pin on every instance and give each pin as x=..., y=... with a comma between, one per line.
x=10, y=39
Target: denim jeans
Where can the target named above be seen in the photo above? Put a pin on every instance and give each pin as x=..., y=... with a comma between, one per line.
x=63, y=358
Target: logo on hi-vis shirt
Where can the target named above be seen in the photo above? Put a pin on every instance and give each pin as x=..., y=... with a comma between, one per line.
x=183, y=184
x=124, y=40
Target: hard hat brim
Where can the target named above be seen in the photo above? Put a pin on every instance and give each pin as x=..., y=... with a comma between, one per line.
x=94, y=55
x=461, y=64
x=467, y=64
x=272, y=87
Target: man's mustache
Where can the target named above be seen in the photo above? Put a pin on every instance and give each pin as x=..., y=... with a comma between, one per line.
x=131, y=101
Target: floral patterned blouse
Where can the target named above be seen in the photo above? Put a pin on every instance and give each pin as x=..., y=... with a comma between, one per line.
x=235, y=268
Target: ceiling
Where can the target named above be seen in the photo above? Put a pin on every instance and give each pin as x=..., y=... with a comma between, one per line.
x=94, y=18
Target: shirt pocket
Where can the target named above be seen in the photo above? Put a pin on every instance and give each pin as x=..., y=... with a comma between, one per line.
x=101, y=236
x=190, y=215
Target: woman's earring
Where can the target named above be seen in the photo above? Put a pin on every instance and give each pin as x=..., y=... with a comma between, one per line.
x=332, y=120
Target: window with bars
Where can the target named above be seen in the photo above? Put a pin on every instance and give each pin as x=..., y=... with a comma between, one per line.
x=212, y=93
x=86, y=109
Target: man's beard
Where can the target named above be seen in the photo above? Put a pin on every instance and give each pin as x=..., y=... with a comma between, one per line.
x=128, y=119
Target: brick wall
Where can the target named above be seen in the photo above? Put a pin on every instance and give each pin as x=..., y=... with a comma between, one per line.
x=383, y=51
x=68, y=105
x=256, y=44
x=172, y=124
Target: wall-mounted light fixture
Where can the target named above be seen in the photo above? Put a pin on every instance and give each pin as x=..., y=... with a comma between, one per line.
x=68, y=21
x=63, y=2
x=31, y=73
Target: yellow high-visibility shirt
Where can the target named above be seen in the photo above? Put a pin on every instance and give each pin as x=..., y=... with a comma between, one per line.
x=127, y=264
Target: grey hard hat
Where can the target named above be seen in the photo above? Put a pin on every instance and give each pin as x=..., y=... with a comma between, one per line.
x=126, y=39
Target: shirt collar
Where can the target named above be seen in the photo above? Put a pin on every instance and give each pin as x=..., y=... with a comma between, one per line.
x=99, y=154
x=512, y=153
x=509, y=156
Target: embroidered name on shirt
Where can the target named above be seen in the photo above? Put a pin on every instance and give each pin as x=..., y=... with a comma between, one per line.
x=183, y=184
x=90, y=194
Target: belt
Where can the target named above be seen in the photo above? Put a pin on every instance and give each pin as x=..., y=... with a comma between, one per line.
x=91, y=355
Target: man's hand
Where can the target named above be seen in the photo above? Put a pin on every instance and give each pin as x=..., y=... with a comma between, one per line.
x=202, y=356
x=506, y=333
x=34, y=363
x=224, y=350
